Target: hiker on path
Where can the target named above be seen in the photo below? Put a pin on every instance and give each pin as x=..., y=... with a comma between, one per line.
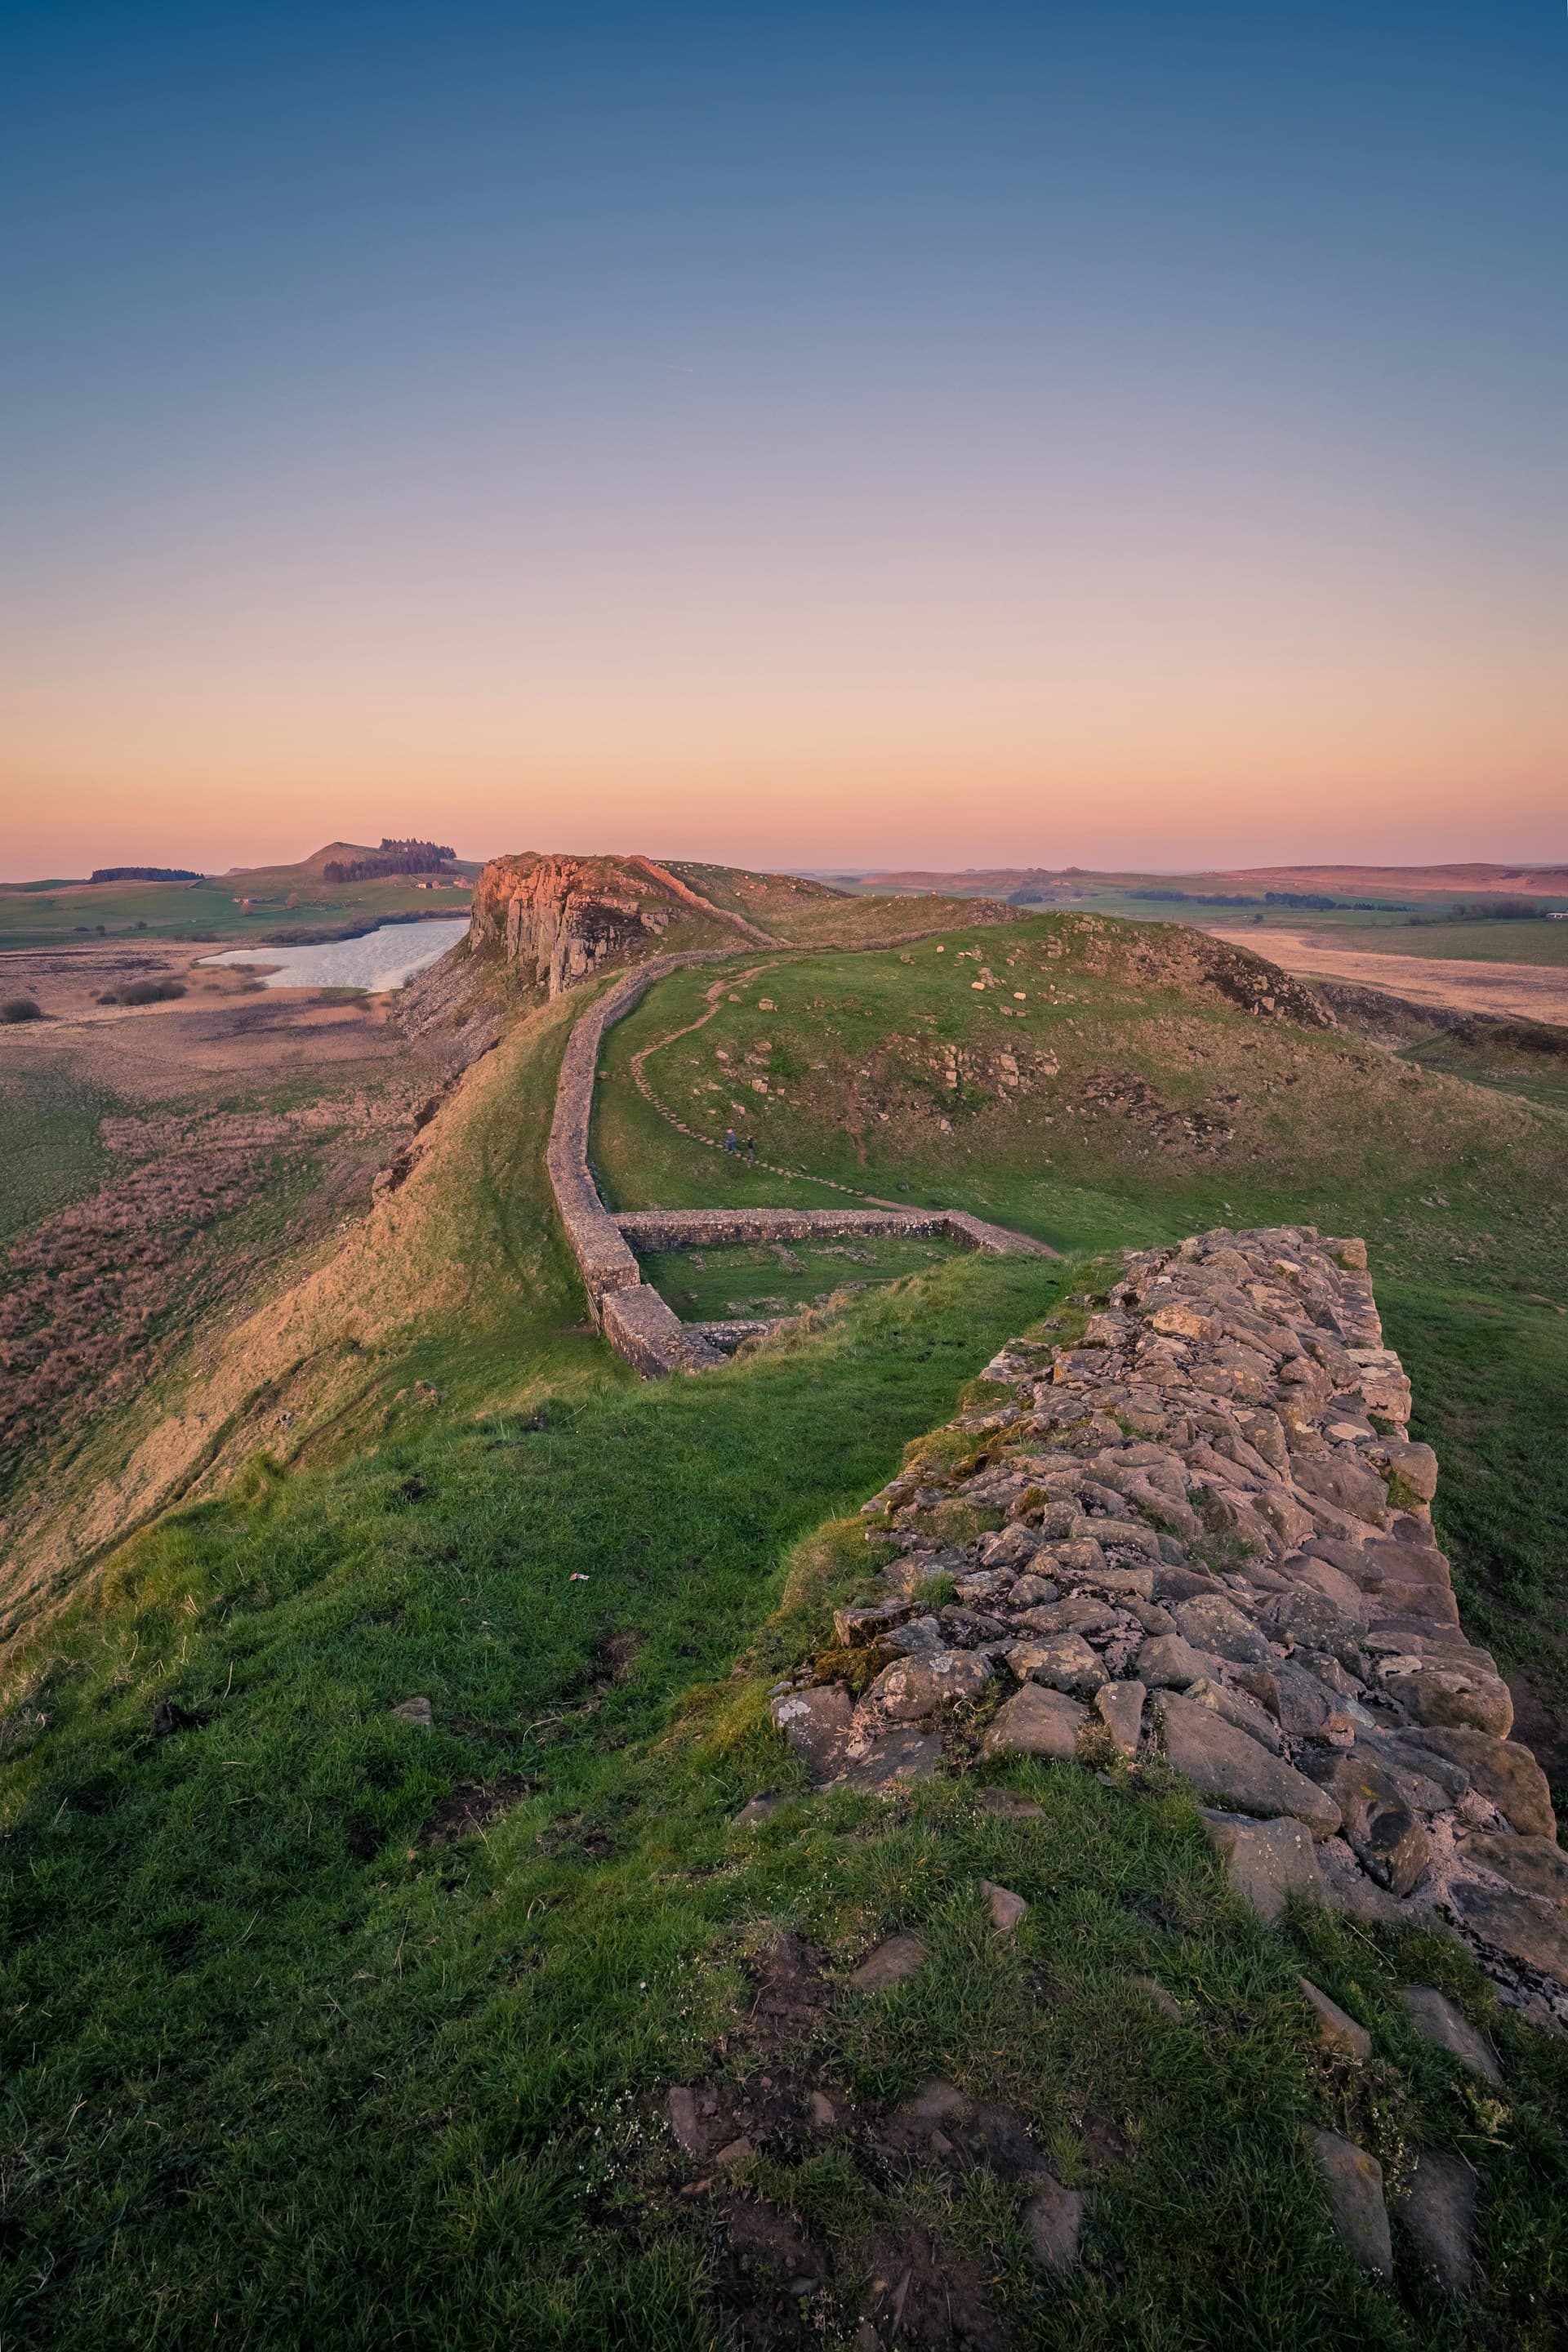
x=731, y=1140
x=752, y=1150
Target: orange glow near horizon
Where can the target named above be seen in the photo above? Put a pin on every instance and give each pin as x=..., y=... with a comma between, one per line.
x=809, y=437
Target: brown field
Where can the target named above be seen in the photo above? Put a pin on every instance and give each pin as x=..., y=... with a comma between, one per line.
x=223, y=1132
x=1518, y=991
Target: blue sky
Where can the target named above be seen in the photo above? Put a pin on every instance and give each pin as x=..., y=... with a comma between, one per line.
x=793, y=434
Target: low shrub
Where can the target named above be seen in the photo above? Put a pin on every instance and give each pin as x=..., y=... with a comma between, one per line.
x=143, y=992
x=20, y=1008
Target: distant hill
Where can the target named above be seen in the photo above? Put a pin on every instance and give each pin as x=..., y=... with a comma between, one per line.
x=1357, y=881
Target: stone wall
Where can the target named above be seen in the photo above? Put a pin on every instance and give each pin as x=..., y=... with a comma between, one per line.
x=662, y=1229
x=606, y=1262
x=1211, y=1553
x=635, y=1319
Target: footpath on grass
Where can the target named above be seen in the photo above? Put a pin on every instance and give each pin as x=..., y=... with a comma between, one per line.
x=1195, y=1540
x=635, y=1319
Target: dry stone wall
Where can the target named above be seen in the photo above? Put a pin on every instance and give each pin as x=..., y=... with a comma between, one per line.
x=643, y=1330
x=1211, y=1552
x=661, y=1229
x=635, y=1319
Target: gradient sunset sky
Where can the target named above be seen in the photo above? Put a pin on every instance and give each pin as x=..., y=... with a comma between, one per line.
x=805, y=434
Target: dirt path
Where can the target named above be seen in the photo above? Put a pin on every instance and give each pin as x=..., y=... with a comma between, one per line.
x=1526, y=991
x=716, y=996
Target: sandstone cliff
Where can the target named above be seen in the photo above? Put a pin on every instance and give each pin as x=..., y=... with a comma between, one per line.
x=567, y=916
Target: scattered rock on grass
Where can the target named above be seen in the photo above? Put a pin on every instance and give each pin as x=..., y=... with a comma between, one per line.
x=1010, y=1807
x=1502, y=1770
x=1439, y=2209
x=895, y=1960
x=816, y=1724
x=1354, y=2183
x=1037, y=1722
x=680, y=2107
x=415, y=1710
x=1336, y=2032
x=1006, y=1907
x=756, y=1811
x=1522, y=1926
x=1437, y=2020
x=1221, y=1761
x=1053, y=2223
x=1534, y=1865
x=1120, y=1707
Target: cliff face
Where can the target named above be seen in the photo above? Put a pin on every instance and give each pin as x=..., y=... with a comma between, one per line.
x=568, y=915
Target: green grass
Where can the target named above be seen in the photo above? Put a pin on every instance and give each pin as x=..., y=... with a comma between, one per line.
x=184, y=911
x=52, y=1152
x=1539, y=1077
x=283, y=2072
x=709, y=1285
x=1537, y=942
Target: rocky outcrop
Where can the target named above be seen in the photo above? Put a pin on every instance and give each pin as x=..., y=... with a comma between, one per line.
x=1212, y=1553
x=563, y=919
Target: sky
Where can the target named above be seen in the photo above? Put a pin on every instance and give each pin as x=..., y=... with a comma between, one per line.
x=807, y=434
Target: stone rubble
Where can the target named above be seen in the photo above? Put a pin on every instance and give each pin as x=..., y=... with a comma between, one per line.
x=1215, y=1549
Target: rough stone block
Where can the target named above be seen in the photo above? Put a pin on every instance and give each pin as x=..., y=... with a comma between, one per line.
x=1221, y=1761
x=1265, y=1861
x=1037, y=1722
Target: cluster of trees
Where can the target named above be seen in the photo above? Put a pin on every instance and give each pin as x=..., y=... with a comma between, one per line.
x=392, y=857
x=1485, y=910
x=1314, y=899
x=1198, y=898
x=143, y=874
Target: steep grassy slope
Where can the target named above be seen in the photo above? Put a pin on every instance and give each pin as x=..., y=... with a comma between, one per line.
x=1081, y=1080
x=319, y=2026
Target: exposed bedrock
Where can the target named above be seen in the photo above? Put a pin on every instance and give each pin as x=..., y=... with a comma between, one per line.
x=1211, y=1552
x=568, y=916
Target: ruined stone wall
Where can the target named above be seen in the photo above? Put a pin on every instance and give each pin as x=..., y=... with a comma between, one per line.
x=1212, y=1553
x=635, y=1319
x=662, y=1229
x=607, y=1263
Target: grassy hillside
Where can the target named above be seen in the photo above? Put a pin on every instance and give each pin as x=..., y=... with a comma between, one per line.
x=1138, y=1107
x=815, y=914
x=321, y=2026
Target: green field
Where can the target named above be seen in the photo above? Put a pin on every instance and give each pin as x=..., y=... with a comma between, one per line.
x=321, y=2027
x=205, y=910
